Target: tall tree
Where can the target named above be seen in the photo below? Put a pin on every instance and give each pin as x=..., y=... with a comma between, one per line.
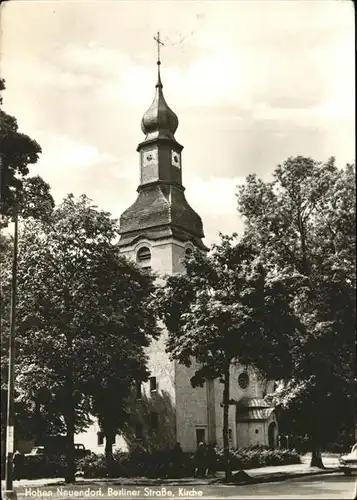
x=33, y=201
x=303, y=223
x=226, y=309
x=17, y=151
x=81, y=305
x=110, y=395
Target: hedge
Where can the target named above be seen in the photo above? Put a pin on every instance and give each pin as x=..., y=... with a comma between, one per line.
x=158, y=464
x=258, y=456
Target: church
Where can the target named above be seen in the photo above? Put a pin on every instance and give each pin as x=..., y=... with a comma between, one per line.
x=157, y=231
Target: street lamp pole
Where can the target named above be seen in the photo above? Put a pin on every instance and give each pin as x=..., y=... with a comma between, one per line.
x=9, y=492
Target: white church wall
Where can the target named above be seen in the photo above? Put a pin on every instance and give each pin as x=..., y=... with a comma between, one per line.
x=161, y=367
x=166, y=255
x=191, y=408
x=255, y=388
x=178, y=256
x=89, y=438
x=219, y=420
x=161, y=257
x=251, y=434
x=241, y=435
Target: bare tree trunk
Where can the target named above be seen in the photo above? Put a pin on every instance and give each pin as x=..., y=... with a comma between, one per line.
x=70, y=417
x=226, y=455
x=70, y=421
x=39, y=425
x=109, y=441
x=316, y=458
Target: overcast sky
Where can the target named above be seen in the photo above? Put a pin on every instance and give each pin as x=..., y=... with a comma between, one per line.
x=252, y=82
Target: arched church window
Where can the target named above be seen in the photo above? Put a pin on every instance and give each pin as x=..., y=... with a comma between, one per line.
x=100, y=438
x=143, y=255
x=243, y=380
x=153, y=384
x=188, y=252
x=230, y=435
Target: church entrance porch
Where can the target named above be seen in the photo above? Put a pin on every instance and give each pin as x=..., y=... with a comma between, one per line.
x=256, y=423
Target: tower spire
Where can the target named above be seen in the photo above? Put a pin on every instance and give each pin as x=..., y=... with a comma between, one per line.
x=161, y=211
x=159, y=121
x=159, y=43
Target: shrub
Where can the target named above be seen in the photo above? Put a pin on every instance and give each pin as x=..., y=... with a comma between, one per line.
x=93, y=465
x=50, y=467
x=138, y=463
x=257, y=456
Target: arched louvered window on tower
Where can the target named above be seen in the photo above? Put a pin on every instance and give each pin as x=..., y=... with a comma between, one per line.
x=143, y=257
x=188, y=252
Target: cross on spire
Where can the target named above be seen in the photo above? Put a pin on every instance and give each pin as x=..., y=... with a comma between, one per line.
x=159, y=42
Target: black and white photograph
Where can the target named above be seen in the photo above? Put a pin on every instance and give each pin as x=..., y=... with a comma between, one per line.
x=178, y=249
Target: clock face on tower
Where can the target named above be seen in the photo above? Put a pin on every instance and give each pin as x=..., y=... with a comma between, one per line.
x=149, y=157
x=175, y=159
x=149, y=165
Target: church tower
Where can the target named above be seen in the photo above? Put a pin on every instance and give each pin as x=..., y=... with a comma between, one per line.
x=160, y=226
x=157, y=232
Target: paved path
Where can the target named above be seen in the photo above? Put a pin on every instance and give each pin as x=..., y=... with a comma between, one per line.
x=333, y=486
x=262, y=474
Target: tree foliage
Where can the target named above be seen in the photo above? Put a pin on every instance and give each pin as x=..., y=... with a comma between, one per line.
x=227, y=308
x=17, y=152
x=303, y=224
x=84, y=317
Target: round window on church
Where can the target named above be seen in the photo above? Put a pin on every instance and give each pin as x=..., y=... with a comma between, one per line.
x=243, y=380
x=143, y=256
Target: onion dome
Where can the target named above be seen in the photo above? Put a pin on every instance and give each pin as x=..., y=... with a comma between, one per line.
x=159, y=121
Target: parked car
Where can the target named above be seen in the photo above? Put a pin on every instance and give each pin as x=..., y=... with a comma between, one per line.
x=37, y=453
x=348, y=463
x=80, y=451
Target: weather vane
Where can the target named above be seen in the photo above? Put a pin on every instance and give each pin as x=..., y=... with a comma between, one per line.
x=159, y=42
